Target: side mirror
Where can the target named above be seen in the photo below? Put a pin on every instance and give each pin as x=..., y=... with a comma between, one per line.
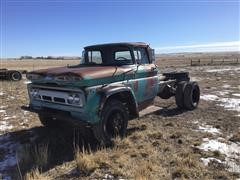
x=82, y=59
x=152, y=55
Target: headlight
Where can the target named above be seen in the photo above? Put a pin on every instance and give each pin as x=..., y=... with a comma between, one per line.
x=34, y=93
x=68, y=78
x=70, y=99
x=33, y=76
x=75, y=99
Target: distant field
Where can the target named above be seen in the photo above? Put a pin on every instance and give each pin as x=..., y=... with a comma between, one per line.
x=35, y=64
x=162, y=60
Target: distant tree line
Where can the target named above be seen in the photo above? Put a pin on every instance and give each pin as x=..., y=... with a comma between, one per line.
x=50, y=57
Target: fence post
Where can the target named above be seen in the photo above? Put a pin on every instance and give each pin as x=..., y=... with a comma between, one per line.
x=199, y=62
x=191, y=61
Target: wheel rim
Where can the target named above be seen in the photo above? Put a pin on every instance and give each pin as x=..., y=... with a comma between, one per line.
x=15, y=76
x=195, y=96
x=115, y=124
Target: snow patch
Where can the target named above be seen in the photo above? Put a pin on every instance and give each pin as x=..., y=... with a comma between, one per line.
x=108, y=176
x=3, y=107
x=224, y=69
x=9, y=117
x=209, y=129
x=238, y=95
x=5, y=126
x=209, y=97
x=206, y=161
x=232, y=104
x=196, y=79
x=2, y=111
x=221, y=93
x=10, y=97
x=25, y=112
x=215, y=145
x=226, y=86
x=231, y=151
x=195, y=122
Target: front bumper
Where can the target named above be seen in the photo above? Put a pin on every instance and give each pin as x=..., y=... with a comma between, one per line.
x=48, y=102
x=61, y=116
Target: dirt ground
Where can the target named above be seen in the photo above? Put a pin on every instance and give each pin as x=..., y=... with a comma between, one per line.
x=167, y=144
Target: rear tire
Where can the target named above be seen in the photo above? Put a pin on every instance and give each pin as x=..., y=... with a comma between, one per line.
x=179, y=96
x=165, y=93
x=114, y=121
x=191, y=95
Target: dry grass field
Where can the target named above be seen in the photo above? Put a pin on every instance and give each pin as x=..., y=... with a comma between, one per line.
x=30, y=64
x=167, y=144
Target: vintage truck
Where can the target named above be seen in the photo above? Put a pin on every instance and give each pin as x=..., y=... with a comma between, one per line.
x=110, y=86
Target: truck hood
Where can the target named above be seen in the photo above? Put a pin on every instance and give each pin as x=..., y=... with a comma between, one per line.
x=97, y=74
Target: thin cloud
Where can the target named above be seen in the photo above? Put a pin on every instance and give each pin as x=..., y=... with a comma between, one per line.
x=210, y=47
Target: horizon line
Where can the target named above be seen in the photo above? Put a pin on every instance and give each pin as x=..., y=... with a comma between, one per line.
x=227, y=46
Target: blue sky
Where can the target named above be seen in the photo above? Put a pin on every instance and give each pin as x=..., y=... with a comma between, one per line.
x=64, y=27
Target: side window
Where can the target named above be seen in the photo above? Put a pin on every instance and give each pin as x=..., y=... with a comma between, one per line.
x=141, y=56
x=95, y=57
x=137, y=55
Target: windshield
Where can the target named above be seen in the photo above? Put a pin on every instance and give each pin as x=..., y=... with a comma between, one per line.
x=117, y=56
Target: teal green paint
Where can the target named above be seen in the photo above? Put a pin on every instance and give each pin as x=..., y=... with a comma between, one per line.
x=92, y=106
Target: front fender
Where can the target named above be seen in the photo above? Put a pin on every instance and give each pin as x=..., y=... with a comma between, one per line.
x=110, y=91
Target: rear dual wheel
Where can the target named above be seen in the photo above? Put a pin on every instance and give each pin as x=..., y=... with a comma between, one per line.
x=187, y=95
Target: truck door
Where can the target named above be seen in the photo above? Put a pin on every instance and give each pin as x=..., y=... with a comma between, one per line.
x=146, y=76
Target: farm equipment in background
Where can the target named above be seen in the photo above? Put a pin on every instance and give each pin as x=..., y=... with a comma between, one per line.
x=12, y=75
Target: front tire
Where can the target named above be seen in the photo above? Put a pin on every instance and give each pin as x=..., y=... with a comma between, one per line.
x=114, y=121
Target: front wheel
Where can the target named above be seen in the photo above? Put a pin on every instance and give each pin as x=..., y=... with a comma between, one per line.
x=114, y=121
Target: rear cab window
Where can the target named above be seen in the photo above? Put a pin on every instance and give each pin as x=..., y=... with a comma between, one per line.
x=123, y=56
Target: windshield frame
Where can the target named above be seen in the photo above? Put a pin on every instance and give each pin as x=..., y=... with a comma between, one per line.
x=107, y=55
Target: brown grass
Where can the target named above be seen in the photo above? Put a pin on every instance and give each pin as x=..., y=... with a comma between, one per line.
x=35, y=174
x=86, y=161
x=33, y=157
x=35, y=64
x=235, y=137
